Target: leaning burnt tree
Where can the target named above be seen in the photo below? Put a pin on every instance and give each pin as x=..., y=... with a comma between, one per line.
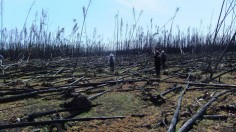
x=228, y=7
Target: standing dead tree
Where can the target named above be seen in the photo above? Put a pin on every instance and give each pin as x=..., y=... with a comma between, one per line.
x=85, y=13
x=2, y=45
x=220, y=22
x=222, y=55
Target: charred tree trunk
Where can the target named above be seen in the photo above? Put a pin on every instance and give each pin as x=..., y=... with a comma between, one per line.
x=188, y=125
x=177, y=110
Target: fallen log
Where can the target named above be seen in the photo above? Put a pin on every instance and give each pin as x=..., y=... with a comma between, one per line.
x=230, y=107
x=25, y=124
x=128, y=90
x=17, y=97
x=61, y=88
x=91, y=88
x=177, y=110
x=32, y=116
x=203, y=84
x=58, y=71
x=211, y=88
x=77, y=80
x=30, y=94
x=159, y=99
x=99, y=94
x=55, y=89
x=59, y=81
x=188, y=124
x=15, y=92
x=218, y=117
x=170, y=90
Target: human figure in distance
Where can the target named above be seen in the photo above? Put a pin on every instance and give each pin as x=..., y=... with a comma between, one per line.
x=111, y=61
x=1, y=59
x=1, y=66
x=163, y=59
x=157, y=61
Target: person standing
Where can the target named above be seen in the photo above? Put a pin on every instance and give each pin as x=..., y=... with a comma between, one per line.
x=163, y=59
x=157, y=60
x=1, y=59
x=1, y=66
x=111, y=62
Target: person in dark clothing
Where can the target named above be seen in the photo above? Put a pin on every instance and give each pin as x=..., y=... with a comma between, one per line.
x=111, y=62
x=163, y=59
x=1, y=59
x=157, y=59
x=1, y=66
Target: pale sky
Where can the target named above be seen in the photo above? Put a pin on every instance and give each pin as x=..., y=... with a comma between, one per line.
x=102, y=12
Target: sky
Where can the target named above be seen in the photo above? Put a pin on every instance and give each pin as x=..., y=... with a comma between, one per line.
x=101, y=13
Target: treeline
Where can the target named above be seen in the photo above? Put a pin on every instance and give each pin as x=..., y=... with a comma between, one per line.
x=36, y=41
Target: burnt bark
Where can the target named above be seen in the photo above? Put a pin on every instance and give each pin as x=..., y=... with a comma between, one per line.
x=188, y=124
x=177, y=110
x=25, y=124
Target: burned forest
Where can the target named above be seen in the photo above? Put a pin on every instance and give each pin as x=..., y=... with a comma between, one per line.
x=50, y=82
x=84, y=95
